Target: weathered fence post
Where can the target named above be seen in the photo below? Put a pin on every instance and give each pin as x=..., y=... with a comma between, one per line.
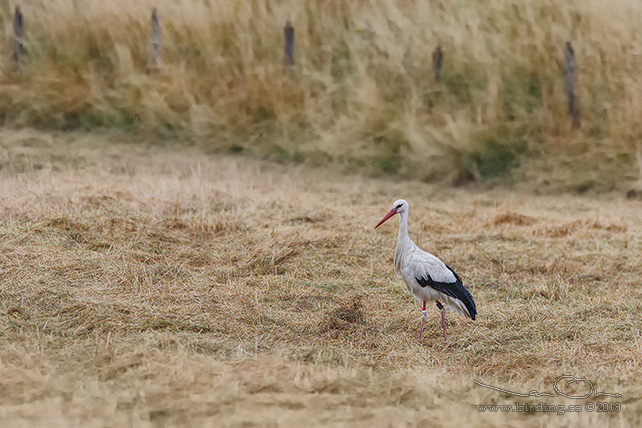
x=18, y=30
x=289, y=47
x=569, y=73
x=437, y=61
x=156, y=39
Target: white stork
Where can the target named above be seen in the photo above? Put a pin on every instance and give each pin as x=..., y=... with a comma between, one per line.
x=427, y=277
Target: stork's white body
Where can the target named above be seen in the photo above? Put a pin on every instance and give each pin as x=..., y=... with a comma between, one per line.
x=426, y=277
x=411, y=262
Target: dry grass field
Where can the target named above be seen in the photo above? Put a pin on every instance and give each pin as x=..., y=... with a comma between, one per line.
x=146, y=285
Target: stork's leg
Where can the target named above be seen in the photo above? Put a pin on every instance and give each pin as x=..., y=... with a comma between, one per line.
x=423, y=319
x=443, y=317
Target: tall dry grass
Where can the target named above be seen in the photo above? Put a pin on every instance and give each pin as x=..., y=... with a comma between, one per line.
x=362, y=85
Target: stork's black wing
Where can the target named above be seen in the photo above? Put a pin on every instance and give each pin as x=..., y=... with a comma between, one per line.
x=454, y=289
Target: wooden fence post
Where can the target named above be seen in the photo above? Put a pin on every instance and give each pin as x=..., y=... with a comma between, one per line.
x=18, y=31
x=289, y=47
x=569, y=73
x=156, y=39
x=437, y=61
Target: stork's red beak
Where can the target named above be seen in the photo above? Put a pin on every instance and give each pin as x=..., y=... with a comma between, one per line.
x=387, y=216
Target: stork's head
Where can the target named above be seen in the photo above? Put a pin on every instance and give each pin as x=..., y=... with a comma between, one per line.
x=400, y=206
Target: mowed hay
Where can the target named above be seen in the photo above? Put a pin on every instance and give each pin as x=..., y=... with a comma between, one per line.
x=161, y=286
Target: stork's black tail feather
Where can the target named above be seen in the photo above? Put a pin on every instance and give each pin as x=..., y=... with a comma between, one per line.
x=468, y=301
x=455, y=290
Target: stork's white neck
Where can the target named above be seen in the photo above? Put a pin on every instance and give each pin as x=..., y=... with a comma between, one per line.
x=404, y=243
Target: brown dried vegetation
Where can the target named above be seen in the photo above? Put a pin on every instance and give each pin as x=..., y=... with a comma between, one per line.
x=195, y=290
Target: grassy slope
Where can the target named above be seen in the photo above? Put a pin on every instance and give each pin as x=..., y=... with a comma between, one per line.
x=147, y=286
x=362, y=86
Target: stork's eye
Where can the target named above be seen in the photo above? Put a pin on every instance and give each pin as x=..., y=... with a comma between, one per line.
x=398, y=206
